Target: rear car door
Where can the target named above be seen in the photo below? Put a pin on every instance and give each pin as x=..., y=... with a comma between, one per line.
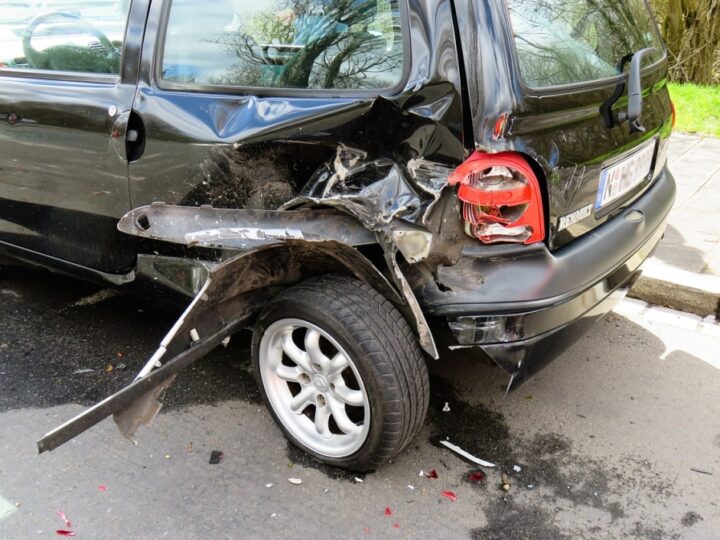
x=68, y=73
x=557, y=67
x=228, y=88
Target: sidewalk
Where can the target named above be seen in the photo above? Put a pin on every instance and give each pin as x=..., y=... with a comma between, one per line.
x=684, y=273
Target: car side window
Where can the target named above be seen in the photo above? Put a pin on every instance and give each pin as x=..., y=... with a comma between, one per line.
x=63, y=35
x=315, y=44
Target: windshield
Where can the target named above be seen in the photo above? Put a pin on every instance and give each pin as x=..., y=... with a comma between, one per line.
x=574, y=41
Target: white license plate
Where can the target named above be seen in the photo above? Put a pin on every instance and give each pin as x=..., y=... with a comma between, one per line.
x=622, y=177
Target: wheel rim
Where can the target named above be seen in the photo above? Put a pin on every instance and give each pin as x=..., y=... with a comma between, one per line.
x=314, y=388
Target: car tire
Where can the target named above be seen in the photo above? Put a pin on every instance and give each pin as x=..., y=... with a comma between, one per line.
x=341, y=371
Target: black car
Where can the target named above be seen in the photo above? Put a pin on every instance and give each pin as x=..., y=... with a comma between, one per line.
x=351, y=179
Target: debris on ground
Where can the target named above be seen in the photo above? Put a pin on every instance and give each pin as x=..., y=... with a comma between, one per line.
x=449, y=495
x=422, y=473
x=82, y=371
x=63, y=532
x=701, y=471
x=432, y=474
x=295, y=481
x=216, y=457
x=446, y=407
x=388, y=511
x=189, y=448
x=102, y=487
x=358, y=480
x=466, y=455
x=411, y=487
x=476, y=477
x=269, y=485
x=396, y=525
x=505, y=482
x=96, y=298
x=517, y=468
x=64, y=519
x=109, y=368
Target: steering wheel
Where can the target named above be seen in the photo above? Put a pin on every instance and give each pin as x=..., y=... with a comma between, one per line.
x=70, y=57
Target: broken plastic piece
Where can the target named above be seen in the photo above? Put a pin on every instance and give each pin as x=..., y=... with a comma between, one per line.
x=63, y=532
x=216, y=457
x=358, y=480
x=396, y=525
x=449, y=495
x=446, y=407
x=388, y=511
x=466, y=455
x=476, y=477
x=102, y=488
x=432, y=474
x=194, y=336
x=82, y=371
x=295, y=481
x=64, y=519
x=517, y=468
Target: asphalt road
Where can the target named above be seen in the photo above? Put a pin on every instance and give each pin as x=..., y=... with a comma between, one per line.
x=606, y=438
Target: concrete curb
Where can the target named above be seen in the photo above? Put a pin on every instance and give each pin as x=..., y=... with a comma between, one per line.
x=678, y=289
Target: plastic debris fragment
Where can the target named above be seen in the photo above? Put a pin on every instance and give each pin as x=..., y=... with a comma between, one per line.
x=63, y=532
x=358, y=480
x=517, y=468
x=505, y=482
x=295, y=481
x=82, y=371
x=432, y=474
x=449, y=495
x=388, y=511
x=396, y=525
x=411, y=487
x=101, y=487
x=476, y=477
x=64, y=519
x=446, y=407
x=215, y=457
x=269, y=485
x=466, y=455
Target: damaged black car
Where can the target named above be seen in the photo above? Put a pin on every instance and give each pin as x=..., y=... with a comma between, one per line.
x=349, y=179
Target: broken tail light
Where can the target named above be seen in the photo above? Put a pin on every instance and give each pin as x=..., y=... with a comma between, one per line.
x=501, y=198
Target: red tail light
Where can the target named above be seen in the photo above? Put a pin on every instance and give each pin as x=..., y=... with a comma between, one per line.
x=501, y=198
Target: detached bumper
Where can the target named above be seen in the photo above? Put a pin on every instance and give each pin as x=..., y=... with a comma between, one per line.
x=525, y=306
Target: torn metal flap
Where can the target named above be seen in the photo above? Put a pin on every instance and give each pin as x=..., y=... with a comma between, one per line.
x=141, y=411
x=205, y=226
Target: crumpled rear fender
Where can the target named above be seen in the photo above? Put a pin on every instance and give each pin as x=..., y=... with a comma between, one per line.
x=233, y=291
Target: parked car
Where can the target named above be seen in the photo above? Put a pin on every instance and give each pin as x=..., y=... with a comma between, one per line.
x=348, y=178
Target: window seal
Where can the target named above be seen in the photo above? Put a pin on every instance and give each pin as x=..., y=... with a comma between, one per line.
x=266, y=91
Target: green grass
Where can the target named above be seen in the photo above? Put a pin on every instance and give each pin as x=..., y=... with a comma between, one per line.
x=698, y=108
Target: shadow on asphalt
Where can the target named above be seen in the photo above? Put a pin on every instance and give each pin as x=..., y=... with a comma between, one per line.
x=46, y=343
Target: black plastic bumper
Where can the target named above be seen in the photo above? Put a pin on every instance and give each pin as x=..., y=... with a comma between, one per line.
x=525, y=306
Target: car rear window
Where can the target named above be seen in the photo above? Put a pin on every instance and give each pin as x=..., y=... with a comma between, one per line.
x=562, y=42
x=318, y=44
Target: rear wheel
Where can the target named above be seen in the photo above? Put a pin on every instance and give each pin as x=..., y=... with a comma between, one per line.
x=341, y=372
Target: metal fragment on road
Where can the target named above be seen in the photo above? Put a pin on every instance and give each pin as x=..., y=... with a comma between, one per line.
x=466, y=455
x=95, y=298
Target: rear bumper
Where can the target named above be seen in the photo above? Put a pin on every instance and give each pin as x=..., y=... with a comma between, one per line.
x=525, y=306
